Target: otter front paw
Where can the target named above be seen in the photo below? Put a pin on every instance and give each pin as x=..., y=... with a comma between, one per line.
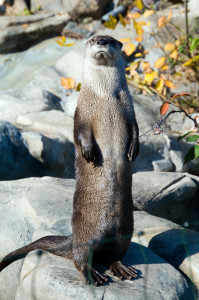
x=133, y=150
x=88, y=153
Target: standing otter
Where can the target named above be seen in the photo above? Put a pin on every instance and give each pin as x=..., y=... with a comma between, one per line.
x=106, y=141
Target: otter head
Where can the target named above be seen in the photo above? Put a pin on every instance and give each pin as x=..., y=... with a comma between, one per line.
x=103, y=50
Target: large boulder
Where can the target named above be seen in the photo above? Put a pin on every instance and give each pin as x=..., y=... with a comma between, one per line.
x=168, y=195
x=91, y=8
x=178, y=246
x=22, y=31
x=15, y=159
x=37, y=207
x=50, y=277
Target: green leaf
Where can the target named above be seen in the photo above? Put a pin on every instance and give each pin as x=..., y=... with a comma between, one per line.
x=78, y=87
x=193, y=153
x=192, y=138
x=194, y=44
x=182, y=136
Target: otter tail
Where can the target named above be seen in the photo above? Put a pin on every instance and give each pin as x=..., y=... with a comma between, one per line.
x=58, y=245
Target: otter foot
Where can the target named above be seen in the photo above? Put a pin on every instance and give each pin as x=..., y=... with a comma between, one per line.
x=94, y=277
x=122, y=271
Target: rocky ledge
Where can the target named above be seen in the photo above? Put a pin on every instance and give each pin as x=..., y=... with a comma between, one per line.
x=164, y=253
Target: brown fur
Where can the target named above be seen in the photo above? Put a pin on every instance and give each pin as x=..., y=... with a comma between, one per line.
x=106, y=141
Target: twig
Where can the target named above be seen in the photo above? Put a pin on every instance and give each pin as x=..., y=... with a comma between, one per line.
x=186, y=24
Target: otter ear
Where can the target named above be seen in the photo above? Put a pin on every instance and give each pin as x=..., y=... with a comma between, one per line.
x=120, y=44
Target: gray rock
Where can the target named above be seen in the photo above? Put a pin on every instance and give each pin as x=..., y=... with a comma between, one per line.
x=24, y=204
x=18, y=69
x=92, y=8
x=17, y=37
x=15, y=159
x=12, y=106
x=169, y=195
x=71, y=64
x=53, y=124
x=178, y=246
x=57, y=157
x=50, y=277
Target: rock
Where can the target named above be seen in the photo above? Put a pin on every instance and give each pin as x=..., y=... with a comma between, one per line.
x=22, y=31
x=146, y=226
x=26, y=65
x=178, y=246
x=57, y=157
x=169, y=195
x=30, y=203
x=12, y=106
x=15, y=159
x=93, y=8
x=69, y=103
x=50, y=277
x=74, y=69
x=181, y=249
x=24, y=205
x=53, y=124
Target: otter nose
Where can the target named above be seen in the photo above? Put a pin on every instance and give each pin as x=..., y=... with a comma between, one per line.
x=102, y=42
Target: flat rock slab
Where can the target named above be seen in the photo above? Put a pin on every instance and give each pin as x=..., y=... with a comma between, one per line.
x=17, y=36
x=50, y=277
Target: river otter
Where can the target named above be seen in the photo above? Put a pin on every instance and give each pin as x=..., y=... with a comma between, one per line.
x=106, y=142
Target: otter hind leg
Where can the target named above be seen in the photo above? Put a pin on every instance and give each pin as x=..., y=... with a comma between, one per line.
x=58, y=245
x=123, y=272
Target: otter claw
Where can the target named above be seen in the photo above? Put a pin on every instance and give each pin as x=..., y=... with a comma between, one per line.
x=87, y=153
x=133, y=150
x=94, y=277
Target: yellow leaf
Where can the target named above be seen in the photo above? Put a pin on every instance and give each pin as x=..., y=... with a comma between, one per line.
x=160, y=85
x=68, y=83
x=191, y=61
x=174, y=54
x=64, y=45
x=122, y=21
x=139, y=4
x=139, y=30
x=138, y=54
x=156, y=46
x=160, y=62
x=139, y=38
x=59, y=43
x=129, y=48
x=134, y=15
x=25, y=25
x=63, y=39
x=111, y=24
x=124, y=40
x=162, y=21
x=164, y=68
x=148, y=13
x=134, y=65
x=170, y=84
x=169, y=16
x=169, y=47
x=141, y=23
x=149, y=77
x=78, y=87
x=148, y=24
